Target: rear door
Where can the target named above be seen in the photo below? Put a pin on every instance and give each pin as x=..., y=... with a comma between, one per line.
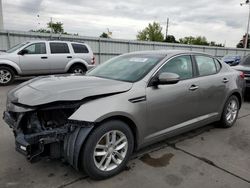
x=36, y=60
x=59, y=56
x=212, y=85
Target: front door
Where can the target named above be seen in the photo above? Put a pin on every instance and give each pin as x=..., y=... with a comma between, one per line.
x=35, y=61
x=173, y=106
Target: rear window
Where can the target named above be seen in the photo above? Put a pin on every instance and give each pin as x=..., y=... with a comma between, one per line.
x=80, y=48
x=59, y=48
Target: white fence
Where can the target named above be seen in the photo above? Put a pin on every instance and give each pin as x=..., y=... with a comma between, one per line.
x=105, y=49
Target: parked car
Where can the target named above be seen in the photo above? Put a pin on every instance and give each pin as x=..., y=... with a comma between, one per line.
x=244, y=66
x=45, y=57
x=96, y=121
x=232, y=60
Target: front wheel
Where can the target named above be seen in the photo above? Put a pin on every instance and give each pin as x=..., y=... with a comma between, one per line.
x=230, y=112
x=107, y=150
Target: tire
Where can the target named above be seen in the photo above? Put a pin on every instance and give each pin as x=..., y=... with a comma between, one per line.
x=225, y=121
x=6, y=76
x=89, y=162
x=77, y=69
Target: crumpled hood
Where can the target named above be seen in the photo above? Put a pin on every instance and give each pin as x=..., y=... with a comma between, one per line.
x=47, y=89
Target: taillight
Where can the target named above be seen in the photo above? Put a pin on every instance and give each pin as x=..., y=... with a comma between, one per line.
x=93, y=60
x=242, y=75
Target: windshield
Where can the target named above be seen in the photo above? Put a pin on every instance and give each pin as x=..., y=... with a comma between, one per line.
x=129, y=68
x=14, y=48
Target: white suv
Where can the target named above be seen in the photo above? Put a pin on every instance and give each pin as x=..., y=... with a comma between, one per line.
x=45, y=57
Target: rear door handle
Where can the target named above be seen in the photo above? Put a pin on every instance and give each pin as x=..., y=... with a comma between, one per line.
x=225, y=80
x=69, y=57
x=44, y=57
x=193, y=87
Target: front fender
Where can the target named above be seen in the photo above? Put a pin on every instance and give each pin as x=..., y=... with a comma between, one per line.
x=12, y=64
x=73, y=144
x=73, y=61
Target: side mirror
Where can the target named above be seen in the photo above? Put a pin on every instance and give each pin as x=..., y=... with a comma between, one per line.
x=23, y=52
x=166, y=78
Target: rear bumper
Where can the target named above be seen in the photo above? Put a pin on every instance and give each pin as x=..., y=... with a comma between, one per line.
x=90, y=67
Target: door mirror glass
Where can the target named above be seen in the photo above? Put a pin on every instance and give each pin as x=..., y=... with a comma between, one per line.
x=23, y=52
x=166, y=78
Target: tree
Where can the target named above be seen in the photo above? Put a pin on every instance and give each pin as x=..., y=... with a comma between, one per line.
x=104, y=35
x=151, y=33
x=241, y=44
x=212, y=43
x=56, y=27
x=171, y=39
x=194, y=40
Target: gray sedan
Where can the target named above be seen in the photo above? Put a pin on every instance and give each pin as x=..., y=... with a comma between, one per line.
x=96, y=121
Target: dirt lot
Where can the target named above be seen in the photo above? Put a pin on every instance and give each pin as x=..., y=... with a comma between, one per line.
x=207, y=157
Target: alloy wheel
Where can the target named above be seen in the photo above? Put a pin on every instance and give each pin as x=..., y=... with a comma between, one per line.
x=110, y=150
x=78, y=71
x=232, y=110
x=5, y=76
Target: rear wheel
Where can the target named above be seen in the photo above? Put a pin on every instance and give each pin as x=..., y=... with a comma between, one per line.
x=230, y=112
x=6, y=76
x=77, y=69
x=107, y=150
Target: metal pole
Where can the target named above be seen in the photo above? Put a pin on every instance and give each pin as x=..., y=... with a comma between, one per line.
x=167, y=29
x=1, y=16
x=246, y=38
x=51, y=29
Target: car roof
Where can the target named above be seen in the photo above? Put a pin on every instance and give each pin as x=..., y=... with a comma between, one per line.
x=168, y=52
x=31, y=41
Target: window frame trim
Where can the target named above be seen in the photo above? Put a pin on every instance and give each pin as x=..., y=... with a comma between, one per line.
x=69, y=52
x=197, y=68
x=33, y=44
x=79, y=45
x=168, y=60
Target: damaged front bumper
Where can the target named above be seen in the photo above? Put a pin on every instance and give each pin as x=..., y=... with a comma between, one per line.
x=63, y=142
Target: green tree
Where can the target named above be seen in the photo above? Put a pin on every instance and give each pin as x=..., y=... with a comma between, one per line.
x=57, y=27
x=104, y=35
x=241, y=44
x=171, y=39
x=151, y=33
x=194, y=40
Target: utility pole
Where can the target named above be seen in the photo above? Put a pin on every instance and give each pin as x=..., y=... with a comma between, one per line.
x=1, y=16
x=246, y=38
x=167, y=28
x=51, y=28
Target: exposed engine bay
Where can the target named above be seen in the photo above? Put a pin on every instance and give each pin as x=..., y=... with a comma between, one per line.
x=42, y=132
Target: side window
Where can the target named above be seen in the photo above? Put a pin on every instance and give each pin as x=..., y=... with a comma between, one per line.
x=206, y=65
x=180, y=65
x=59, y=48
x=36, y=48
x=80, y=48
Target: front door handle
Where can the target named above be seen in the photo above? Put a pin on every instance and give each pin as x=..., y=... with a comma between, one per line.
x=225, y=80
x=44, y=57
x=193, y=87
